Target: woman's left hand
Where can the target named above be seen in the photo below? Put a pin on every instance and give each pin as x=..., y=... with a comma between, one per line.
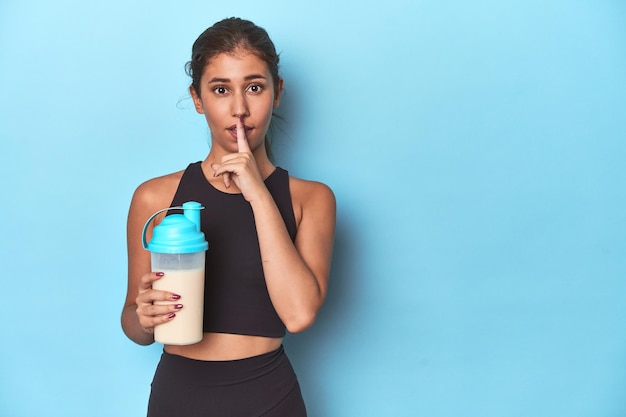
x=240, y=167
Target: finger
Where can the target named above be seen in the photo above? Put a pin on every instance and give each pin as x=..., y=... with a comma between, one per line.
x=156, y=320
x=226, y=177
x=219, y=170
x=148, y=323
x=149, y=295
x=148, y=279
x=159, y=309
x=155, y=302
x=153, y=296
x=242, y=141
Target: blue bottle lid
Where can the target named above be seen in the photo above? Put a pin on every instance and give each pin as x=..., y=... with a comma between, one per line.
x=177, y=233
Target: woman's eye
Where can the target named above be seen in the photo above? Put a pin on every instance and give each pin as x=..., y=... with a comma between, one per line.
x=255, y=88
x=220, y=90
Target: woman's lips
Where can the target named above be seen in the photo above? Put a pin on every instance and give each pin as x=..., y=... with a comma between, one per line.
x=233, y=130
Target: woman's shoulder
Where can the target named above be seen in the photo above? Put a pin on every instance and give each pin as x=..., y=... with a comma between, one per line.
x=307, y=193
x=314, y=205
x=156, y=192
x=308, y=185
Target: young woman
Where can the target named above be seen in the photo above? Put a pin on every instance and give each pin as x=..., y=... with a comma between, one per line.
x=270, y=244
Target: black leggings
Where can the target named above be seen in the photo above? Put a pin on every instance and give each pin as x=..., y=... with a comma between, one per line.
x=263, y=385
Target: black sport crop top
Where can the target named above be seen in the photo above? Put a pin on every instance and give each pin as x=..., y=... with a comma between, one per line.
x=236, y=299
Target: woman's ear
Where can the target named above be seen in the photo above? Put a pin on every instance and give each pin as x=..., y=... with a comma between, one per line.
x=279, y=92
x=197, y=101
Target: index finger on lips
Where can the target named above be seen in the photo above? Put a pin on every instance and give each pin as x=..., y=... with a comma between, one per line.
x=242, y=141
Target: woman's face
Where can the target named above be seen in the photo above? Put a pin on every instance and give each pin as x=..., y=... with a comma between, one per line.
x=235, y=85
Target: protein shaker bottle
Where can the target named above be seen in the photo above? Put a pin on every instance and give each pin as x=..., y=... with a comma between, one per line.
x=178, y=250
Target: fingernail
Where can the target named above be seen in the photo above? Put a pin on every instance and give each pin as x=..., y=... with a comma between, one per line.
x=171, y=316
x=175, y=297
x=178, y=306
x=159, y=274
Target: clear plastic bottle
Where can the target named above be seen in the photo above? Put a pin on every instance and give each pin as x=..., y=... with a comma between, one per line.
x=178, y=250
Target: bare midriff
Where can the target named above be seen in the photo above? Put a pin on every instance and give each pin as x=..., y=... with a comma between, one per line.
x=224, y=347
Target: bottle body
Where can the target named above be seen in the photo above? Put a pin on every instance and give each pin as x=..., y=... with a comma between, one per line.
x=183, y=275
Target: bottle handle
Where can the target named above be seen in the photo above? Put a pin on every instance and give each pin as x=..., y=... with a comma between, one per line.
x=144, y=242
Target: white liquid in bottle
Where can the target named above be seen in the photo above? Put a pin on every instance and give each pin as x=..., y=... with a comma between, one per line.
x=186, y=327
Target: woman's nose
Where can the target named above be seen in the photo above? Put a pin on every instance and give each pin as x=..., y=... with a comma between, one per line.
x=240, y=105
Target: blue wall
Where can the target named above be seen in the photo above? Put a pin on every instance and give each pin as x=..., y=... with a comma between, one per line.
x=477, y=150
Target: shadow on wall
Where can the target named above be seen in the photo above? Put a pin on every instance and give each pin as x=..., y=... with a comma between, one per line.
x=281, y=131
x=310, y=350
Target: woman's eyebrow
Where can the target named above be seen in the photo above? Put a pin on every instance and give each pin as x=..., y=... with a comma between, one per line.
x=254, y=77
x=218, y=80
x=227, y=80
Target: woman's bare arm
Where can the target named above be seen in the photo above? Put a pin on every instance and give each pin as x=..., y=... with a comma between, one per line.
x=139, y=315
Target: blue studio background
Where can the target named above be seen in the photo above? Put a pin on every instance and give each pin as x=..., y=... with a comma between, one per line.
x=477, y=151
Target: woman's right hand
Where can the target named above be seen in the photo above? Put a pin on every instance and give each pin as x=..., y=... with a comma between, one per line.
x=149, y=309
